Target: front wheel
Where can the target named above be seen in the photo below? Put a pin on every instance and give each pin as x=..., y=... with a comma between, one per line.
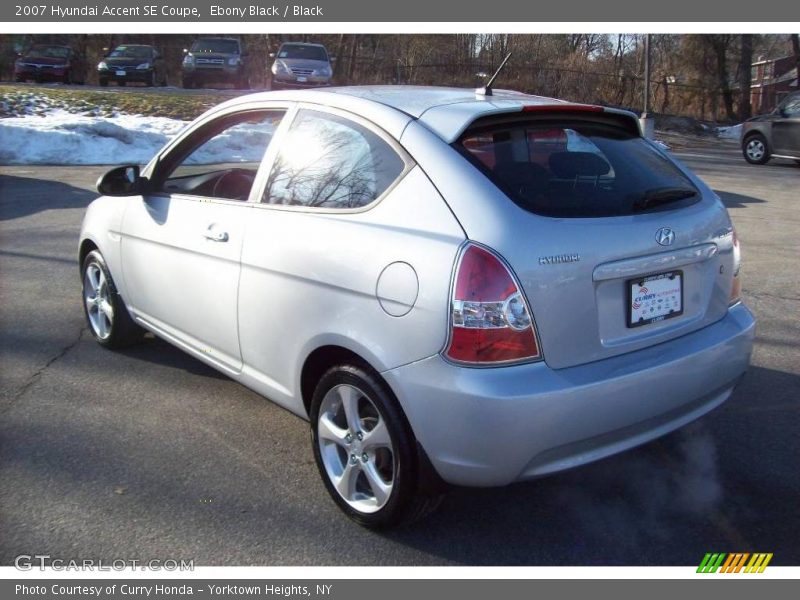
x=755, y=149
x=109, y=321
x=365, y=450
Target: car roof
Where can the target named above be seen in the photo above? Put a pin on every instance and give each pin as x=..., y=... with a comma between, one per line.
x=302, y=44
x=446, y=111
x=134, y=46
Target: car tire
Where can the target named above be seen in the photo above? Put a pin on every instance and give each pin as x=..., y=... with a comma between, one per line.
x=151, y=80
x=755, y=149
x=364, y=447
x=121, y=83
x=107, y=317
x=67, y=78
x=104, y=83
x=188, y=84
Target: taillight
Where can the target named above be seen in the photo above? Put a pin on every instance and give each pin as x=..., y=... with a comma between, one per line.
x=490, y=320
x=736, y=286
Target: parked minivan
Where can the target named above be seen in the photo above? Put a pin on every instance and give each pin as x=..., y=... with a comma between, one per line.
x=453, y=288
x=300, y=65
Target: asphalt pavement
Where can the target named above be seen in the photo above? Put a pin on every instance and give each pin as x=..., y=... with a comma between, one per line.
x=149, y=454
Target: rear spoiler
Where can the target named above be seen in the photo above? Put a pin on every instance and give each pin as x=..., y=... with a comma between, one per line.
x=451, y=123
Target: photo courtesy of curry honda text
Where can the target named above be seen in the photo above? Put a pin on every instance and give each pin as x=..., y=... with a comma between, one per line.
x=452, y=286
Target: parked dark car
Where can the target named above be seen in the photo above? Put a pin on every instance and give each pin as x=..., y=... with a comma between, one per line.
x=775, y=135
x=47, y=62
x=131, y=63
x=215, y=60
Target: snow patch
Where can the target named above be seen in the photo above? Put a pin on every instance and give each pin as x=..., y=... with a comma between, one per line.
x=62, y=138
x=730, y=133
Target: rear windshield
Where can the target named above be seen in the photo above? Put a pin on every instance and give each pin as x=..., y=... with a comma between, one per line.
x=577, y=169
x=304, y=52
x=217, y=46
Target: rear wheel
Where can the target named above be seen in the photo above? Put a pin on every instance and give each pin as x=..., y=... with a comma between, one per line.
x=755, y=149
x=109, y=321
x=151, y=80
x=365, y=450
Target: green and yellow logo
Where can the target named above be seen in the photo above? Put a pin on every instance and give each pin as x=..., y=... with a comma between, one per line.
x=735, y=562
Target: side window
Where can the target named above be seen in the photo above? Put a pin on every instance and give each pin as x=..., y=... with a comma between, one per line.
x=221, y=160
x=327, y=161
x=791, y=106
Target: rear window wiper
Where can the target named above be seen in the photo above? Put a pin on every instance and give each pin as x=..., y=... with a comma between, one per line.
x=662, y=195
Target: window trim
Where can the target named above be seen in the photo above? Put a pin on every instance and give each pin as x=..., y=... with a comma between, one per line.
x=214, y=115
x=272, y=151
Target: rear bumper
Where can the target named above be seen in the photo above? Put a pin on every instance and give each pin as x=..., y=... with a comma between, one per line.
x=487, y=427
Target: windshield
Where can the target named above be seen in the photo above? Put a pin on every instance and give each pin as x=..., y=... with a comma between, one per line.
x=132, y=52
x=577, y=169
x=304, y=52
x=217, y=46
x=49, y=52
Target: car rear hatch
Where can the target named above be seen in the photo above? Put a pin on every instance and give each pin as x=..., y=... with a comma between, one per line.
x=616, y=247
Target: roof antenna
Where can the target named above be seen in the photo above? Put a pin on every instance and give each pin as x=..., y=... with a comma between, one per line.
x=487, y=89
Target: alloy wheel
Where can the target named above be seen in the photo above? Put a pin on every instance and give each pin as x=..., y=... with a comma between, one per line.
x=97, y=296
x=356, y=448
x=755, y=149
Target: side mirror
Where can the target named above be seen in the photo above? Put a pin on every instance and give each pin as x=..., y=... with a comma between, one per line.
x=333, y=59
x=185, y=50
x=272, y=55
x=121, y=181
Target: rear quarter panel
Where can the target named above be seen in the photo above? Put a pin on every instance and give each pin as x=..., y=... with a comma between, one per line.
x=309, y=279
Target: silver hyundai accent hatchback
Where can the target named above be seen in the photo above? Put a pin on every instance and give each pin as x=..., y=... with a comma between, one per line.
x=454, y=288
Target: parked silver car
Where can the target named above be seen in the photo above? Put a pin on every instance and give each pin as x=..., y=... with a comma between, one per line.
x=453, y=288
x=300, y=65
x=774, y=135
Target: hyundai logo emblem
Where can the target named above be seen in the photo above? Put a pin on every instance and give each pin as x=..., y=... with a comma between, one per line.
x=665, y=236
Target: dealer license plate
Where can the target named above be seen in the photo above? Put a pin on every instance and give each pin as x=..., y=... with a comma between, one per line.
x=655, y=298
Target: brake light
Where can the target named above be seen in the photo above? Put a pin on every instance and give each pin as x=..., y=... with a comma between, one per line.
x=490, y=320
x=736, y=286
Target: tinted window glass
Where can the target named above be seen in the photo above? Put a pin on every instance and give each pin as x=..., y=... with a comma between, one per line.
x=578, y=170
x=48, y=52
x=306, y=52
x=327, y=161
x=791, y=106
x=132, y=52
x=221, y=161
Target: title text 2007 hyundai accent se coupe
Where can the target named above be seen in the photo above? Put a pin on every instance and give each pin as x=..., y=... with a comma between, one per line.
x=454, y=288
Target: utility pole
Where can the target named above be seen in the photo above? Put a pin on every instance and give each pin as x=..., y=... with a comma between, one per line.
x=647, y=124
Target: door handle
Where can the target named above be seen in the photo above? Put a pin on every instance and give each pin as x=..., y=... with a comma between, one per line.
x=215, y=235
